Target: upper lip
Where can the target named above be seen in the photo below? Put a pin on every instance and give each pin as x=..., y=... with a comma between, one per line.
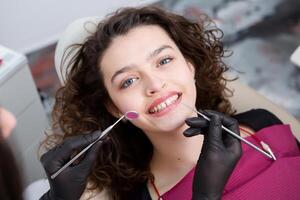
x=162, y=99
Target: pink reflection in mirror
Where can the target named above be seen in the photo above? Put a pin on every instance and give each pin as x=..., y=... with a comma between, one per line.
x=131, y=115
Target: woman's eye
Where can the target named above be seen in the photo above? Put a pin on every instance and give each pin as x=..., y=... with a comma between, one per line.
x=128, y=82
x=165, y=61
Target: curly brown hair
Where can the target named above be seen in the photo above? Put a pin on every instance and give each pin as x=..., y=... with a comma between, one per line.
x=123, y=163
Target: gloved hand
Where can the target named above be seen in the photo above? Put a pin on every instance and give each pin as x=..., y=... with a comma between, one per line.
x=70, y=183
x=219, y=154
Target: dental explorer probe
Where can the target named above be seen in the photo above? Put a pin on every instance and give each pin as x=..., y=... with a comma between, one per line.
x=130, y=115
x=271, y=155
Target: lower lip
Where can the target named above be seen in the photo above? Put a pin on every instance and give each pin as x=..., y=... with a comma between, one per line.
x=167, y=109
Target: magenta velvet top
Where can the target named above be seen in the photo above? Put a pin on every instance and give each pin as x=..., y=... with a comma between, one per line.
x=256, y=176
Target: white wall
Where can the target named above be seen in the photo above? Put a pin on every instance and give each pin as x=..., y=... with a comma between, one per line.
x=27, y=25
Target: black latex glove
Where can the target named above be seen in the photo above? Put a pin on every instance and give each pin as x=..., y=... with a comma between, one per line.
x=219, y=154
x=70, y=183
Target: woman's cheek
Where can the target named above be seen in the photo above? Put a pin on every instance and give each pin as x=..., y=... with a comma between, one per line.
x=128, y=104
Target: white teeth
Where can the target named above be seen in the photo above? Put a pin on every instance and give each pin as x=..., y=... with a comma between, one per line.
x=164, y=104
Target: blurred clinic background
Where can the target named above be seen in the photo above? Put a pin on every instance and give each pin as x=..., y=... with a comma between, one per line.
x=263, y=35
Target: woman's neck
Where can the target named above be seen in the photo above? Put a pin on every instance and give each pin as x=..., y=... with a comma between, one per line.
x=174, y=155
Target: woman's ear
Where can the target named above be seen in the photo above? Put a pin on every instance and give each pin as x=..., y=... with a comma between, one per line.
x=112, y=109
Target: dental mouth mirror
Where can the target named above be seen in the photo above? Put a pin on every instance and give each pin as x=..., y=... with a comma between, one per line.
x=130, y=115
x=271, y=155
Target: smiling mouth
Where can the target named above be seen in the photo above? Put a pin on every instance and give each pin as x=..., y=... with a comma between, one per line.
x=162, y=106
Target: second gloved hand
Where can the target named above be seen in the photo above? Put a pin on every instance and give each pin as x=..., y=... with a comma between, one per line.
x=219, y=154
x=70, y=183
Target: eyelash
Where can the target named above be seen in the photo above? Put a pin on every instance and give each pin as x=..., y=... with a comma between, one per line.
x=164, y=59
x=124, y=86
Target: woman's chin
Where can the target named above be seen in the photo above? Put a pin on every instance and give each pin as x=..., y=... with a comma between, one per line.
x=171, y=126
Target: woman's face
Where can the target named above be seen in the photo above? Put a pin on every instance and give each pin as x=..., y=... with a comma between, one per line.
x=145, y=71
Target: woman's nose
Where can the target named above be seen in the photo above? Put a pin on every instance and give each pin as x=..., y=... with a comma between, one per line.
x=154, y=84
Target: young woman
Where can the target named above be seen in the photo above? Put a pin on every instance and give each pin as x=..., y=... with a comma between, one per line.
x=158, y=64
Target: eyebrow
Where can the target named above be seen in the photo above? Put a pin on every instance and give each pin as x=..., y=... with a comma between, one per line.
x=151, y=55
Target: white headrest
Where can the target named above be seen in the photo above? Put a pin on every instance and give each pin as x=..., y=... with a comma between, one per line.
x=75, y=33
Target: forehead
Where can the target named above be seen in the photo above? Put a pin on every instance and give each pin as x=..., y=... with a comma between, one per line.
x=134, y=46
